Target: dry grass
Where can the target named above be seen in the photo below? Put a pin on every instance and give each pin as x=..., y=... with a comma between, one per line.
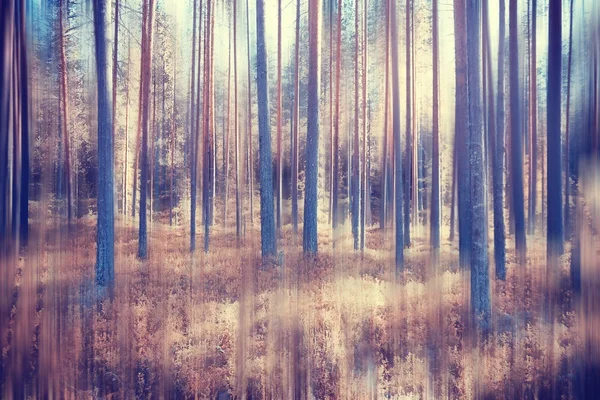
x=331, y=326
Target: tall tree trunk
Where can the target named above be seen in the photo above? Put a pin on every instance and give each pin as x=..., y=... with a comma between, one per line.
x=363, y=193
x=384, y=158
x=105, y=229
x=296, y=124
x=115, y=69
x=226, y=154
x=480, y=284
x=554, y=186
x=250, y=153
x=279, y=148
x=65, y=106
x=126, y=147
x=567, y=223
x=435, y=160
x=397, y=145
x=173, y=140
x=408, y=129
x=267, y=222
x=207, y=160
x=516, y=148
x=310, y=240
x=533, y=121
x=147, y=76
x=238, y=208
x=193, y=133
x=498, y=156
x=461, y=130
x=356, y=141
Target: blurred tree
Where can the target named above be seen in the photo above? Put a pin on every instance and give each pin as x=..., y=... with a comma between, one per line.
x=310, y=238
x=399, y=223
x=554, y=186
x=480, y=285
x=516, y=140
x=267, y=222
x=105, y=237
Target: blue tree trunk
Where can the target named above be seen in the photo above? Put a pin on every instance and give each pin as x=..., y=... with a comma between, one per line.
x=516, y=140
x=309, y=234
x=397, y=146
x=461, y=130
x=267, y=220
x=554, y=164
x=480, y=285
x=105, y=239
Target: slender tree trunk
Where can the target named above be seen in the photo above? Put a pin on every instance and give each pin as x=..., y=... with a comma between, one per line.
x=250, y=153
x=115, y=68
x=567, y=224
x=65, y=106
x=555, y=209
x=238, y=209
x=384, y=157
x=193, y=127
x=533, y=121
x=480, y=284
x=461, y=130
x=267, y=222
x=310, y=240
x=363, y=193
x=453, y=195
x=227, y=131
x=516, y=136
x=296, y=124
x=105, y=228
x=147, y=76
x=408, y=128
x=397, y=145
x=435, y=162
x=356, y=142
x=126, y=147
x=279, y=148
x=173, y=135
x=498, y=156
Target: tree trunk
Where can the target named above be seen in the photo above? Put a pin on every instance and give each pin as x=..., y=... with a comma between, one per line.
x=498, y=157
x=65, y=107
x=238, y=208
x=250, y=153
x=408, y=154
x=554, y=176
x=296, y=123
x=480, y=284
x=397, y=146
x=279, y=148
x=567, y=210
x=355, y=191
x=105, y=228
x=516, y=149
x=194, y=130
x=267, y=222
x=384, y=145
x=147, y=76
x=461, y=130
x=435, y=160
x=310, y=241
x=533, y=122
x=173, y=136
x=364, y=191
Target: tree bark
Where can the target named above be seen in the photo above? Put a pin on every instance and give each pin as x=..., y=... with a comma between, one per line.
x=267, y=222
x=310, y=240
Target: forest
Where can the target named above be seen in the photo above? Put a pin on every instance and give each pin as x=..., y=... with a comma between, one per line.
x=299, y=199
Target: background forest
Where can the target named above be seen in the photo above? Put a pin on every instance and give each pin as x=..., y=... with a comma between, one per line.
x=299, y=199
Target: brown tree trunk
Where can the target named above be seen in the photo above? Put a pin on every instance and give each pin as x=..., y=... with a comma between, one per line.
x=65, y=107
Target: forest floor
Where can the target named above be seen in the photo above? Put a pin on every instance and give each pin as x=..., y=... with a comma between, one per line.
x=336, y=325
